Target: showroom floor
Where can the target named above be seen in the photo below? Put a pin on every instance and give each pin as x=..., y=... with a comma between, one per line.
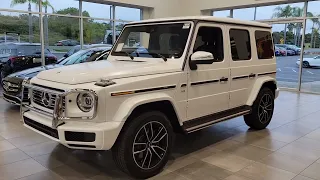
x=288, y=149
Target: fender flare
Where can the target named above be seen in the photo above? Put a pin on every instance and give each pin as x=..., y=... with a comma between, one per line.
x=256, y=88
x=127, y=107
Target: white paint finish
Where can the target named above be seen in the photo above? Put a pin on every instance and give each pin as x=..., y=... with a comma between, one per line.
x=189, y=102
x=213, y=97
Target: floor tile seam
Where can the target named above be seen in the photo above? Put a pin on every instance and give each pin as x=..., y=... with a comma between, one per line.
x=29, y=144
x=307, y=168
x=40, y=172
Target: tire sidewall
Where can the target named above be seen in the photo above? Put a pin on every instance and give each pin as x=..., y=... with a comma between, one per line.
x=128, y=154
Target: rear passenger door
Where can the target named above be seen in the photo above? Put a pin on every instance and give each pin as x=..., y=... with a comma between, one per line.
x=208, y=86
x=241, y=65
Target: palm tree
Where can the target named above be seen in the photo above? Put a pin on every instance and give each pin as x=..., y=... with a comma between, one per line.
x=315, y=21
x=15, y=2
x=297, y=12
x=283, y=12
x=46, y=4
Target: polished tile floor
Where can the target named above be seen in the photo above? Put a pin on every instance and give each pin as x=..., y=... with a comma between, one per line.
x=288, y=149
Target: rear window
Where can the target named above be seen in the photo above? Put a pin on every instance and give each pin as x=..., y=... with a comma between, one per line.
x=264, y=44
x=240, y=44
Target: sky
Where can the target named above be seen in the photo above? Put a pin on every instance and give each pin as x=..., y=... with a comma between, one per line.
x=130, y=14
x=95, y=10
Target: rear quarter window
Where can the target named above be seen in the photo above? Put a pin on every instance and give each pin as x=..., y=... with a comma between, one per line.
x=264, y=45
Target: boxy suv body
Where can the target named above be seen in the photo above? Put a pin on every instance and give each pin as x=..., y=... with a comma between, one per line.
x=187, y=74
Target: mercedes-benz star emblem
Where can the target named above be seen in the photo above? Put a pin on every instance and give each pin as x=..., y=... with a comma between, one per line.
x=46, y=99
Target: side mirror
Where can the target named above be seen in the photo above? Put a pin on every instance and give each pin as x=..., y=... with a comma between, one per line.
x=200, y=57
x=66, y=55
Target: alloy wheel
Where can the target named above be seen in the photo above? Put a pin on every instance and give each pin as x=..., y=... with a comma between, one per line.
x=150, y=145
x=265, y=108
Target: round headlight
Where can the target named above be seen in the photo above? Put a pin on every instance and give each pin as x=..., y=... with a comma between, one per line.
x=85, y=102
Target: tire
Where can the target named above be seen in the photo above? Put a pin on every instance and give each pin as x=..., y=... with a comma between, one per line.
x=262, y=110
x=305, y=64
x=146, y=138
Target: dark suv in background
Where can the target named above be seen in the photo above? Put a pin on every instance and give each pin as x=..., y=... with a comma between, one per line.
x=12, y=83
x=20, y=56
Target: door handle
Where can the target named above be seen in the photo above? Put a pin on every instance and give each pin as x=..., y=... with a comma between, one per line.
x=252, y=75
x=223, y=79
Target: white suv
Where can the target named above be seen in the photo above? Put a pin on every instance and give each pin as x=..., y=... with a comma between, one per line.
x=184, y=75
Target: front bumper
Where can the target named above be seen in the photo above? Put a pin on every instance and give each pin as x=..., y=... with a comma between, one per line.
x=75, y=134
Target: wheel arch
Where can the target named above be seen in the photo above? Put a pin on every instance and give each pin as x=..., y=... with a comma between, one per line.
x=259, y=84
x=151, y=102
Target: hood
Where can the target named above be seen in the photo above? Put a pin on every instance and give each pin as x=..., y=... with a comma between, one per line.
x=93, y=71
x=32, y=72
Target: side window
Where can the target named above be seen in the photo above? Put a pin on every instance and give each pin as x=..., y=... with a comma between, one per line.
x=240, y=44
x=264, y=45
x=210, y=39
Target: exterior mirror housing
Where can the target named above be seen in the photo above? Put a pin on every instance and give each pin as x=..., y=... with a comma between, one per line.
x=200, y=57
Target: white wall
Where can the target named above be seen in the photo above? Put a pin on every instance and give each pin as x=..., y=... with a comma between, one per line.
x=170, y=8
x=152, y=8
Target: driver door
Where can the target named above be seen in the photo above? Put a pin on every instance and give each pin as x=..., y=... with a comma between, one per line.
x=208, y=85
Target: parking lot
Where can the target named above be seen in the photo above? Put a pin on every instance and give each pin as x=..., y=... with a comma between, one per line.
x=288, y=71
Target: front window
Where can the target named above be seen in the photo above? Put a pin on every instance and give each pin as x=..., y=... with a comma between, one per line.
x=153, y=41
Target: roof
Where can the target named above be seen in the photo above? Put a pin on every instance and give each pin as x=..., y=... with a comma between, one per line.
x=207, y=18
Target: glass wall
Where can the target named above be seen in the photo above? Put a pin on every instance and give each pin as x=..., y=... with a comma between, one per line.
x=288, y=39
x=62, y=26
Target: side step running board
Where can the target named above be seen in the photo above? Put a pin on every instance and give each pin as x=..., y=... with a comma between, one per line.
x=206, y=121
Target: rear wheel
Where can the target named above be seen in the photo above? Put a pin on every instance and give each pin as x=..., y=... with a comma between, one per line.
x=305, y=64
x=262, y=110
x=144, y=145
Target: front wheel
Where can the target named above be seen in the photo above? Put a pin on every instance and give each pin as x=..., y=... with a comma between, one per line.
x=262, y=110
x=144, y=145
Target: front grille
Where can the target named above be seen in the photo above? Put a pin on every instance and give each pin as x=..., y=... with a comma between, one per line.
x=37, y=97
x=42, y=128
x=48, y=101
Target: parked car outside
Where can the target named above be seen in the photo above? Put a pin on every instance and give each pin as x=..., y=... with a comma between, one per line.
x=12, y=83
x=78, y=47
x=277, y=51
x=295, y=48
x=309, y=62
x=177, y=80
x=23, y=56
x=292, y=48
x=67, y=42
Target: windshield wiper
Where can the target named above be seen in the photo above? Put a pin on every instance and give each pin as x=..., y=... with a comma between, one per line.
x=159, y=55
x=128, y=54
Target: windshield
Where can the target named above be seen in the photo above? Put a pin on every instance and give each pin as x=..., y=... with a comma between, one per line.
x=153, y=41
x=79, y=57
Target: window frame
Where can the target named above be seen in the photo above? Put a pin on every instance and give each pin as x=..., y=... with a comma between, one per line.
x=273, y=45
x=249, y=35
x=210, y=25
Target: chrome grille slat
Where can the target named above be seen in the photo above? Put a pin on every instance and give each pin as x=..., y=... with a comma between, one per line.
x=37, y=99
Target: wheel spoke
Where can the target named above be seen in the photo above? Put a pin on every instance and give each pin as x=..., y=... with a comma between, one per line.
x=158, y=134
x=261, y=115
x=150, y=158
x=151, y=128
x=155, y=146
x=156, y=152
x=145, y=158
x=136, y=152
x=145, y=130
x=156, y=141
